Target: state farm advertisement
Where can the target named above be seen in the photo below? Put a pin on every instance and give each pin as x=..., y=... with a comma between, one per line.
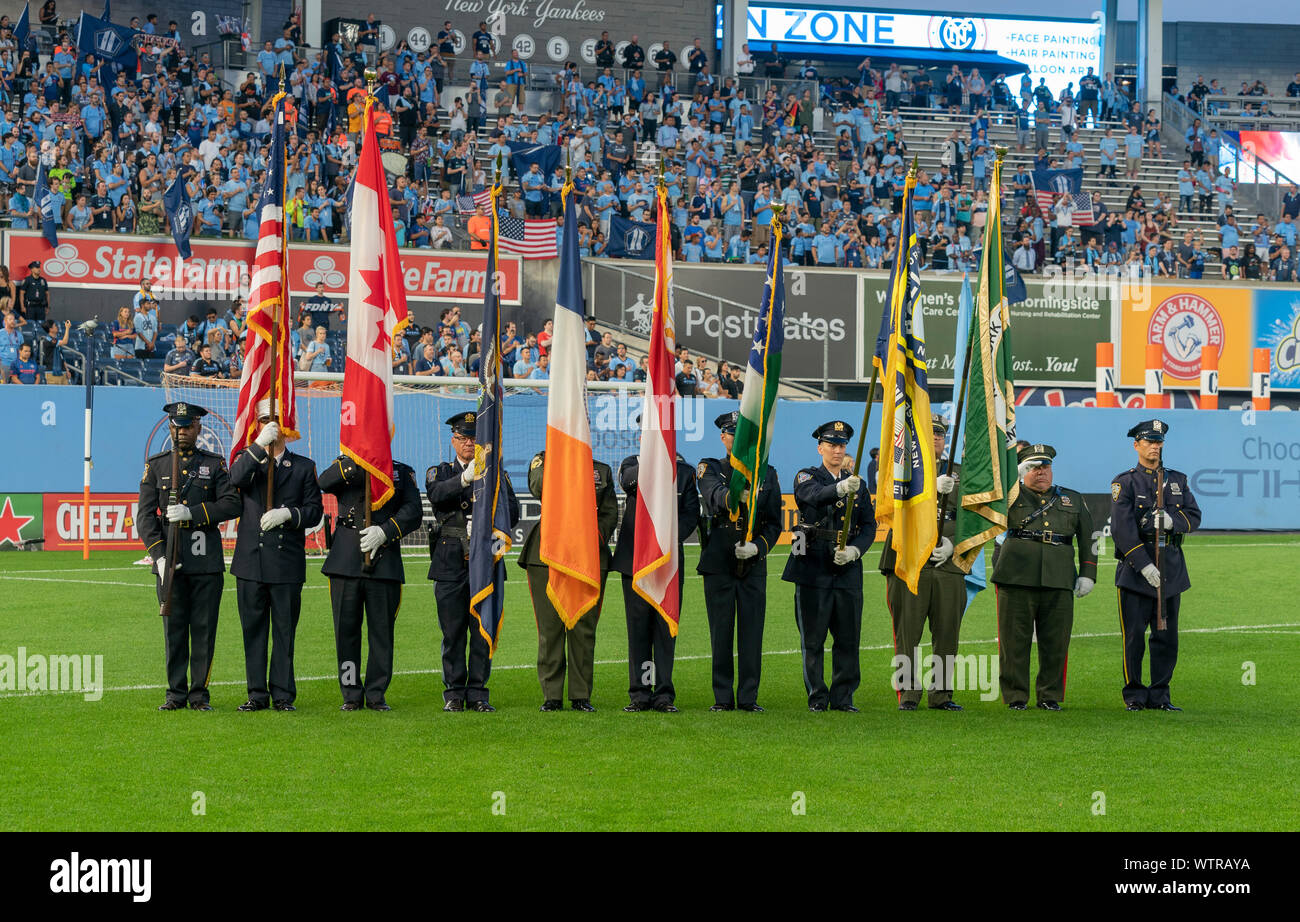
x=112, y=521
x=220, y=268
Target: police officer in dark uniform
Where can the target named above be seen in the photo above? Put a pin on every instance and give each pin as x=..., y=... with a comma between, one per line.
x=1133, y=526
x=940, y=598
x=450, y=488
x=828, y=581
x=204, y=499
x=552, y=635
x=35, y=291
x=735, y=573
x=649, y=642
x=377, y=589
x=270, y=562
x=1037, y=582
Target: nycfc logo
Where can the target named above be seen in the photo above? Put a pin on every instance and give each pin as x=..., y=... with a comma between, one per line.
x=183, y=217
x=215, y=436
x=957, y=34
x=1060, y=184
x=1184, y=324
x=636, y=239
x=108, y=42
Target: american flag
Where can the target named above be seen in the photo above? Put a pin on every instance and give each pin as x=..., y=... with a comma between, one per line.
x=1046, y=196
x=468, y=204
x=530, y=238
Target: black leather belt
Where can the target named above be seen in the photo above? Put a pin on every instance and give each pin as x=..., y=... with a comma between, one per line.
x=1044, y=537
x=820, y=534
x=1172, y=540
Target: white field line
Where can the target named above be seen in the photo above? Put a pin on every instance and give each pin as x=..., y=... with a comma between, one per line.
x=1244, y=628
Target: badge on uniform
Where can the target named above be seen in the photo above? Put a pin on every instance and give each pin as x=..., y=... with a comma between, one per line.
x=700, y=471
x=803, y=475
x=1114, y=491
x=1066, y=501
x=1175, y=489
x=537, y=461
x=205, y=471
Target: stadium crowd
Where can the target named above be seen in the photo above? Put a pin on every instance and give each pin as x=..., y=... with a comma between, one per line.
x=111, y=142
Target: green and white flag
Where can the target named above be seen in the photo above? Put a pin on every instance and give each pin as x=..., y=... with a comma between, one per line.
x=758, y=400
x=989, y=479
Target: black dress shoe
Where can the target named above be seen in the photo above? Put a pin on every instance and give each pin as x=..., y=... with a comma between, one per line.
x=1134, y=706
x=350, y=706
x=1167, y=707
x=455, y=704
x=284, y=706
x=582, y=704
x=1018, y=706
x=637, y=706
x=752, y=708
x=907, y=706
x=251, y=705
x=722, y=707
x=200, y=706
x=172, y=706
x=666, y=707
x=846, y=708
x=552, y=704
x=378, y=706
x=482, y=707
x=1049, y=706
x=816, y=707
x=947, y=706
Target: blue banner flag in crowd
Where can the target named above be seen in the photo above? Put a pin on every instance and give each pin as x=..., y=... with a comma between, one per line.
x=108, y=12
x=634, y=239
x=47, y=205
x=23, y=29
x=523, y=155
x=1013, y=286
x=490, y=536
x=180, y=214
x=113, y=43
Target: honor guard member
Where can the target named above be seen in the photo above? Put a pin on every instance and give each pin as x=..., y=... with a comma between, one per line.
x=828, y=581
x=735, y=573
x=450, y=488
x=940, y=599
x=204, y=498
x=1037, y=581
x=649, y=642
x=552, y=635
x=1135, y=512
x=270, y=562
x=376, y=589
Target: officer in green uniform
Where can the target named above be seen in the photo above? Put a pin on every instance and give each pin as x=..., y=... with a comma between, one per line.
x=827, y=578
x=1037, y=582
x=940, y=598
x=735, y=574
x=1133, y=515
x=204, y=498
x=552, y=635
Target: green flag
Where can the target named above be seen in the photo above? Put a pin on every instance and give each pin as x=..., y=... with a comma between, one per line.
x=989, y=480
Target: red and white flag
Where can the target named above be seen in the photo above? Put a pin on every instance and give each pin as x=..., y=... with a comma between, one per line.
x=376, y=317
x=268, y=358
x=655, y=558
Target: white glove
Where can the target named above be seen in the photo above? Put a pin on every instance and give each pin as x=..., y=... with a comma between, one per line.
x=849, y=484
x=1167, y=521
x=744, y=498
x=746, y=550
x=1152, y=575
x=179, y=512
x=467, y=475
x=944, y=484
x=270, y=432
x=372, y=539
x=847, y=555
x=942, y=551
x=274, y=518
x=1083, y=586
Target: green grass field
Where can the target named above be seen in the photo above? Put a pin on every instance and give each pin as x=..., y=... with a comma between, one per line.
x=118, y=763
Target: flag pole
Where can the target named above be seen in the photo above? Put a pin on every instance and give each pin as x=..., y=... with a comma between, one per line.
x=754, y=485
x=88, y=377
x=284, y=301
x=871, y=389
x=372, y=76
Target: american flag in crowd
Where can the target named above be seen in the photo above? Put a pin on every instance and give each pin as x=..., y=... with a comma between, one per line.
x=531, y=238
x=1056, y=183
x=467, y=204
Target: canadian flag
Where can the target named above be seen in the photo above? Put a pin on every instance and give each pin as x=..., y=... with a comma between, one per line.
x=376, y=317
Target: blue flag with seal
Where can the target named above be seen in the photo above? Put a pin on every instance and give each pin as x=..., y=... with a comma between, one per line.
x=976, y=579
x=108, y=41
x=1013, y=286
x=523, y=155
x=23, y=30
x=180, y=213
x=490, y=537
x=905, y=491
x=630, y=239
x=48, y=206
